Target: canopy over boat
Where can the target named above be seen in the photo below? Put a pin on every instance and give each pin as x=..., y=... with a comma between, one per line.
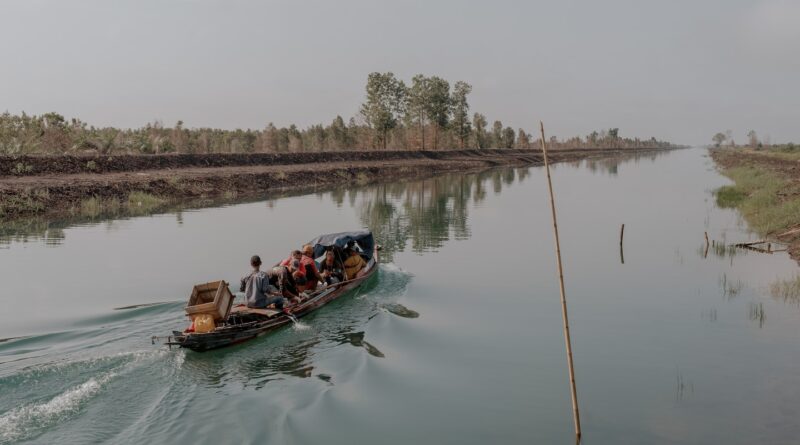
x=363, y=238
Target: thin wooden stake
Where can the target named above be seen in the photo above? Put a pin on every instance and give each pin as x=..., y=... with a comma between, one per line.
x=621, y=235
x=705, y=252
x=575, y=411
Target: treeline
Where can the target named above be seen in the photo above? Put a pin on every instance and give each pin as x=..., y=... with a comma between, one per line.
x=427, y=114
x=753, y=141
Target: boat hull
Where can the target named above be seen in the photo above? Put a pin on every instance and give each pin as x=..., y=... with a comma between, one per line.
x=232, y=335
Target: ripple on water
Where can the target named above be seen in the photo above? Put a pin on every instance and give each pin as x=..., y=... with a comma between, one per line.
x=29, y=420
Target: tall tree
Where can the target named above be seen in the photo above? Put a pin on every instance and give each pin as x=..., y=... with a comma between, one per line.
x=438, y=106
x=461, y=123
x=481, y=137
x=417, y=104
x=497, y=134
x=523, y=139
x=385, y=102
x=338, y=134
x=508, y=137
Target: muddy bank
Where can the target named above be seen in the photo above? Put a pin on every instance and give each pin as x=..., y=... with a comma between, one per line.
x=769, y=186
x=32, y=165
x=58, y=185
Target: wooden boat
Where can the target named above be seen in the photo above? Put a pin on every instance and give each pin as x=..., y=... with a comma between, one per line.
x=244, y=323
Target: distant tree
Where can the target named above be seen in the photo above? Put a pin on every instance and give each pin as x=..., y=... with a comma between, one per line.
x=592, y=138
x=385, y=102
x=523, y=139
x=338, y=134
x=314, y=137
x=497, y=134
x=508, y=137
x=481, y=137
x=729, y=136
x=613, y=133
x=461, y=124
x=438, y=106
x=283, y=139
x=753, y=137
x=417, y=104
x=719, y=139
x=54, y=134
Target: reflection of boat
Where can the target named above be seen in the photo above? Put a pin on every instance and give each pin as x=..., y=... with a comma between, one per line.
x=242, y=323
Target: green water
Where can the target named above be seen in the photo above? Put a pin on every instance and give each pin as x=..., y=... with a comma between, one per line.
x=458, y=340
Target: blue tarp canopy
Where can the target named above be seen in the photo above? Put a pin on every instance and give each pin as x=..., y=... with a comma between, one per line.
x=363, y=238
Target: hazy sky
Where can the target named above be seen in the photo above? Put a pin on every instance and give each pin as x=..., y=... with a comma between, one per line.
x=674, y=69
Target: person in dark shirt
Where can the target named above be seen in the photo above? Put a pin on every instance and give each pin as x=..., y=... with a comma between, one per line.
x=281, y=277
x=331, y=268
x=257, y=289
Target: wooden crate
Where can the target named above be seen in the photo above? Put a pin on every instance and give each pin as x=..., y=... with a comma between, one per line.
x=210, y=298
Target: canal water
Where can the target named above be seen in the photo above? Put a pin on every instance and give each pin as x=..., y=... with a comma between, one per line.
x=458, y=340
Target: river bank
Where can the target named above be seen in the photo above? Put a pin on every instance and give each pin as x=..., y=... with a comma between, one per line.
x=766, y=191
x=89, y=185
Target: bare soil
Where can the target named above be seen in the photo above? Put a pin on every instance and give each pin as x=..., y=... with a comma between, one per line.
x=43, y=185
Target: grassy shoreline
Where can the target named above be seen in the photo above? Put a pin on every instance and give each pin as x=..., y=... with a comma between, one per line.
x=766, y=190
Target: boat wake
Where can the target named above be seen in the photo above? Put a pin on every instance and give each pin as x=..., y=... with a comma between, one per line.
x=29, y=420
x=299, y=326
x=25, y=421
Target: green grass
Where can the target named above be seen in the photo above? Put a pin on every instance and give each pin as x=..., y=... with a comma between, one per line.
x=142, y=203
x=96, y=207
x=767, y=201
x=728, y=196
x=138, y=203
x=20, y=205
x=91, y=207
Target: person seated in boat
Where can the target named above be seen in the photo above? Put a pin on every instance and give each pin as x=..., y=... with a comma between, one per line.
x=331, y=269
x=280, y=277
x=310, y=267
x=353, y=264
x=298, y=274
x=293, y=255
x=257, y=290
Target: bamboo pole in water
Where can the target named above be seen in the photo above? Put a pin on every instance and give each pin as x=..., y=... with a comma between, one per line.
x=575, y=411
x=621, y=235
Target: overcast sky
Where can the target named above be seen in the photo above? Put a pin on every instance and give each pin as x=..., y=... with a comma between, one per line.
x=674, y=69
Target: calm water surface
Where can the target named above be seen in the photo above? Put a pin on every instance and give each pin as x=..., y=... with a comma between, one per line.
x=457, y=340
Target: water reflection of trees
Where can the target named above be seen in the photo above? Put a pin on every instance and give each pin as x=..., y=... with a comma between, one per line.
x=610, y=164
x=428, y=213
x=51, y=231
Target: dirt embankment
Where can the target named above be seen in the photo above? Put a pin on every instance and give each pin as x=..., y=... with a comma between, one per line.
x=37, y=185
x=786, y=169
